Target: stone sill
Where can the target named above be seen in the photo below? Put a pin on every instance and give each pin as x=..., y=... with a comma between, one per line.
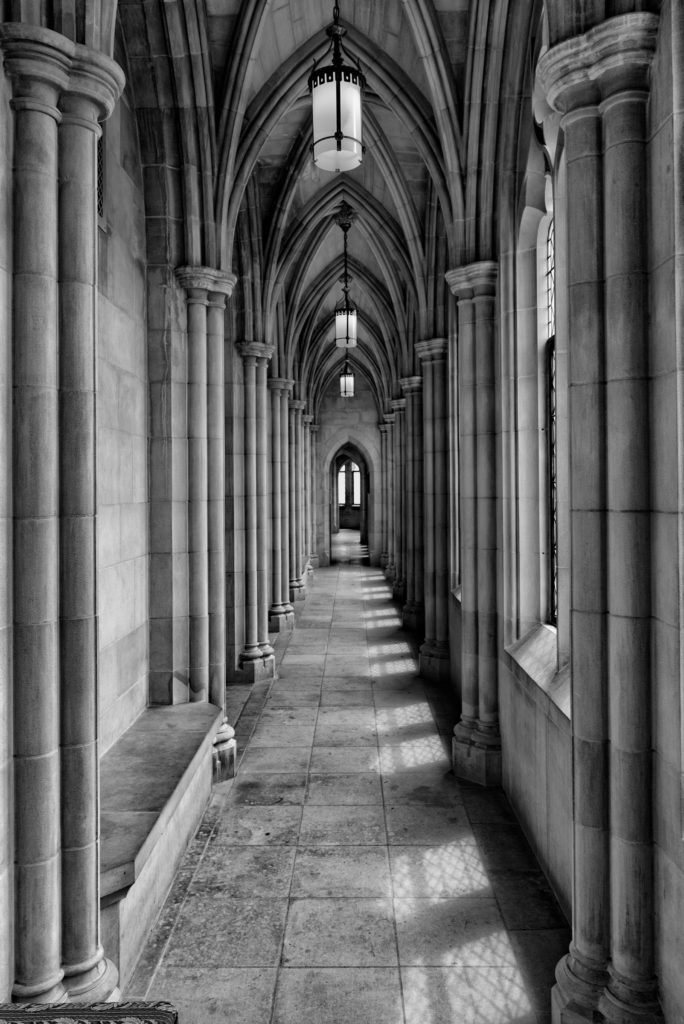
x=534, y=660
x=142, y=780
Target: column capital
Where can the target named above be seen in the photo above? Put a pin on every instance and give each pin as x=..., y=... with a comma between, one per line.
x=218, y=282
x=390, y=418
x=473, y=279
x=308, y=419
x=38, y=61
x=95, y=84
x=298, y=404
x=432, y=350
x=280, y=384
x=315, y=427
x=612, y=57
x=398, y=405
x=254, y=350
x=383, y=427
x=410, y=385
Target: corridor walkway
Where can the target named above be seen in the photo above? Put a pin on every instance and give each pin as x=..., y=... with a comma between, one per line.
x=344, y=876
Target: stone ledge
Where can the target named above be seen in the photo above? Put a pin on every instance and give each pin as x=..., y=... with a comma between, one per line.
x=534, y=660
x=142, y=781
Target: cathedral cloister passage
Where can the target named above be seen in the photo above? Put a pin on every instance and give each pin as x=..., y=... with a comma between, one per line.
x=342, y=508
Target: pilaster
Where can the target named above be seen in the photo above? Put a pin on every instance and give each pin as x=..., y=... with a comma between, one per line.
x=281, y=614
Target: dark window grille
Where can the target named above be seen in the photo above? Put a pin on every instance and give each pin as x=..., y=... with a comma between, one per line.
x=100, y=177
x=551, y=428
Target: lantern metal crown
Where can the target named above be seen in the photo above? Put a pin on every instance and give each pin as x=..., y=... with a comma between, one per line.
x=346, y=320
x=336, y=90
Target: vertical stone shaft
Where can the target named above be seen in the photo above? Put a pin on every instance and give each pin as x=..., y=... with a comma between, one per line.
x=486, y=484
x=416, y=399
x=410, y=503
x=399, y=406
x=299, y=493
x=382, y=427
x=441, y=500
x=39, y=72
x=216, y=428
x=308, y=485
x=314, y=495
x=94, y=86
x=198, y=493
x=251, y=650
x=295, y=582
x=390, y=568
x=632, y=969
x=285, y=492
x=429, y=506
x=263, y=503
x=277, y=607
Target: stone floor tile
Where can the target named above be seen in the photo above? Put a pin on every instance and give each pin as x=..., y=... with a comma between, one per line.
x=342, y=825
x=536, y=956
x=420, y=754
x=347, y=684
x=273, y=734
x=338, y=697
x=450, y=869
x=341, y=871
x=289, y=716
x=427, y=788
x=299, y=697
x=288, y=788
x=486, y=806
x=340, y=933
x=275, y=760
x=467, y=995
x=244, y=871
x=331, y=735
x=356, y=788
x=465, y=932
x=503, y=847
x=338, y=996
x=344, y=759
x=241, y=995
x=360, y=717
x=413, y=825
x=266, y=825
x=218, y=931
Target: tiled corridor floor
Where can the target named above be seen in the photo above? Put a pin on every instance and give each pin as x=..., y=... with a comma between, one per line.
x=344, y=876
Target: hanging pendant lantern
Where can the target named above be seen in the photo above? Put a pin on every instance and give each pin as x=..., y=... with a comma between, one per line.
x=336, y=101
x=346, y=381
x=346, y=320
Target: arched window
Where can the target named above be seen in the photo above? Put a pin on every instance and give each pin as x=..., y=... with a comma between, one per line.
x=349, y=485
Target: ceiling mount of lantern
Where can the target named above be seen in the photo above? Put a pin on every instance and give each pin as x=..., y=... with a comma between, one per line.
x=336, y=90
x=346, y=320
x=347, y=381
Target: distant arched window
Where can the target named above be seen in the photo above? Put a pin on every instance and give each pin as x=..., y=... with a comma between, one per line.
x=349, y=484
x=551, y=426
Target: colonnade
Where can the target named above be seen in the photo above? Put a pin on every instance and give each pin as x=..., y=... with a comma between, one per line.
x=61, y=91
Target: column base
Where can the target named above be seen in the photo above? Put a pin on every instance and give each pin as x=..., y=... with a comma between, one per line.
x=434, y=662
x=389, y=572
x=224, y=754
x=384, y=559
x=313, y=561
x=624, y=1002
x=53, y=992
x=575, y=996
x=97, y=984
x=399, y=590
x=258, y=669
x=474, y=761
x=297, y=590
x=281, y=621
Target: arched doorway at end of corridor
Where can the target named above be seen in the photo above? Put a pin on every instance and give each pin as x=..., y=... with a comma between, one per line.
x=349, y=488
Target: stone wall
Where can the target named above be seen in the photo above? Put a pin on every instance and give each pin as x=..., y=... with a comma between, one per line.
x=666, y=240
x=122, y=436
x=354, y=421
x=6, y=834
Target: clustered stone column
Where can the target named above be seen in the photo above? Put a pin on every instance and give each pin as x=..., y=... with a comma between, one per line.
x=414, y=611
x=57, y=948
x=281, y=614
x=434, y=651
x=256, y=658
x=398, y=406
x=297, y=591
x=599, y=81
x=384, y=495
x=313, y=553
x=390, y=517
x=476, y=743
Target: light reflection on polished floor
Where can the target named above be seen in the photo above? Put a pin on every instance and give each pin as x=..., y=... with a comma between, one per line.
x=344, y=875
x=346, y=546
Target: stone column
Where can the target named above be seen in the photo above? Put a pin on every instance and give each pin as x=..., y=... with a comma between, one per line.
x=307, y=420
x=384, y=556
x=476, y=744
x=599, y=81
x=94, y=86
x=434, y=652
x=391, y=495
x=413, y=611
x=252, y=660
x=313, y=557
x=263, y=503
x=221, y=285
x=399, y=585
x=285, y=496
x=38, y=63
x=280, y=618
x=296, y=407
